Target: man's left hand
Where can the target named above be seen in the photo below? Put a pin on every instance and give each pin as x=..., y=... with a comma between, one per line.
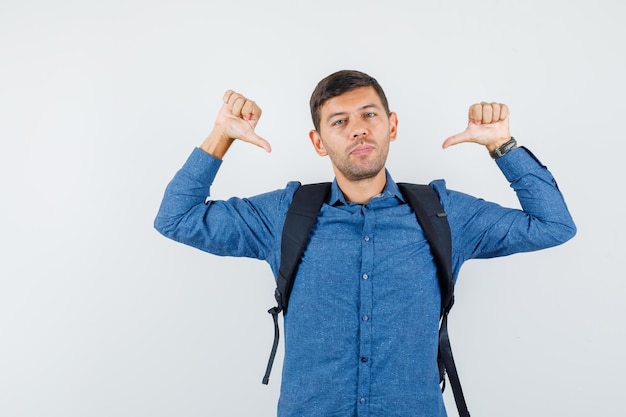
x=488, y=124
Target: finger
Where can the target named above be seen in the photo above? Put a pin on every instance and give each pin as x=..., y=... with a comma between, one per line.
x=476, y=113
x=227, y=95
x=455, y=139
x=487, y=110
x=251, y=111
x=236, y=103
x=496, y=109
x=232, y=96
x=504, y=111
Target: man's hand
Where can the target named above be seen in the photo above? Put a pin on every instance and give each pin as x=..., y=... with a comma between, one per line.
x=236, y=119
x=488, y=124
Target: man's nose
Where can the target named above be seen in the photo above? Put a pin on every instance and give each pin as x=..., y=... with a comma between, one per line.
x=359, y=131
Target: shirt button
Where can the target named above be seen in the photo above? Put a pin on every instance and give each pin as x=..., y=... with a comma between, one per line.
x=363, y=359
x=362, y=400
x=365, y=317
x=365, y=276
x=366, y=238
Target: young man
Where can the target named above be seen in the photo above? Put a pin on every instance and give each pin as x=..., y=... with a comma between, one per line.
x=361, y=335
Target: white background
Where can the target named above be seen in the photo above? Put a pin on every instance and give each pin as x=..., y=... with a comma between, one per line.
x=101, y=102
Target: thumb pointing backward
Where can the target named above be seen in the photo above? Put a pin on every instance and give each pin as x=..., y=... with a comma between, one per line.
x=257, y=140
x=455, y=139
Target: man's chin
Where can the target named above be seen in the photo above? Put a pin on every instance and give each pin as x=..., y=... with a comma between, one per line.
x=363, y=175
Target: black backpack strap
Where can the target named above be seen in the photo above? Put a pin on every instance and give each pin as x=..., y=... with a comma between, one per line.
x=447, y=360
x=424, y=201
x=301, y=217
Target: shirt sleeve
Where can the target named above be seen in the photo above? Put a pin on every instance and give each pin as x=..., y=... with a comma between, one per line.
x=482, y=229
x=245, y=227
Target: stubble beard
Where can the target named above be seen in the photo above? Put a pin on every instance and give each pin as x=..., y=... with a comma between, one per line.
x=359, y=168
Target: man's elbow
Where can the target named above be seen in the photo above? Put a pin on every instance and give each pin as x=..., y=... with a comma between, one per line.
x=570, y=231
x=164, y=226
x=563, y=232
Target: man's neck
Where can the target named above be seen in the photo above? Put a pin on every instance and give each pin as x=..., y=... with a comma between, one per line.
x=362, y=191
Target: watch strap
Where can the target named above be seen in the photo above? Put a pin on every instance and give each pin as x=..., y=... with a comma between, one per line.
x=502, y=150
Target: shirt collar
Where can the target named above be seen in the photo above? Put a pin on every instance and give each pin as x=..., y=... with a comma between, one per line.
x=391, y=190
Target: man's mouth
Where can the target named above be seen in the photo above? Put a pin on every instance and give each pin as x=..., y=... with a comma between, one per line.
x=362, y=149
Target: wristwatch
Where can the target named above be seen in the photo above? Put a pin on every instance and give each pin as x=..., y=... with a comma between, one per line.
x=498, y=152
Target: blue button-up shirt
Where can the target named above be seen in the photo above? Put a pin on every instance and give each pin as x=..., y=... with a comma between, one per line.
x=361, y=331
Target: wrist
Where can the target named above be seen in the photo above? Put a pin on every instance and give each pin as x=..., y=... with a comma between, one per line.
x=217, y=144
x=504, y=148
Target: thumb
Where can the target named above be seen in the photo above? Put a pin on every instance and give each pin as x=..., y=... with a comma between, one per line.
x=456, y=139
x=257, y=140
x=237, y=128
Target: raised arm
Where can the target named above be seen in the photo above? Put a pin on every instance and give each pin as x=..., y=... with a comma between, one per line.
x=234, y=227
x=485, y=229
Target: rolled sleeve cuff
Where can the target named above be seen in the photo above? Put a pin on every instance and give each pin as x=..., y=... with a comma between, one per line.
x=517, y=163
x=202, y=166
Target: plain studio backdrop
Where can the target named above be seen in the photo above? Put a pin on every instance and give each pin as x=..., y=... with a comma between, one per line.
x=101, y=102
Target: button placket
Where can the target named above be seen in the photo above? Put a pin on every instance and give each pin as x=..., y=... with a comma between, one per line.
x=366, y=303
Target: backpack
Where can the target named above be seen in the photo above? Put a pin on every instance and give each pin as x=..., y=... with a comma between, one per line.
x=424, y=200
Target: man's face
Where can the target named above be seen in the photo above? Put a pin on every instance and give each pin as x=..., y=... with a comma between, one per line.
x=355, y=133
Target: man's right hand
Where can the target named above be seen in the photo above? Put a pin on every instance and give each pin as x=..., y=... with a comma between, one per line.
x=236, y=119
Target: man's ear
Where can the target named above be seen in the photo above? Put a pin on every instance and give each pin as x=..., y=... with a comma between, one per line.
x=316, y=140
x=393, y=126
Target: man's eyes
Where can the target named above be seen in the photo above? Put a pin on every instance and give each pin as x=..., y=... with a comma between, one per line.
x=340, y=122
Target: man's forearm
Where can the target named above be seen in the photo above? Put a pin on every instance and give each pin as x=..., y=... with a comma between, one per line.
x=188, y=189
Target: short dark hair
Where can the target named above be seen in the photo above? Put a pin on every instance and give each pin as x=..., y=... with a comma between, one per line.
x=338, y=83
